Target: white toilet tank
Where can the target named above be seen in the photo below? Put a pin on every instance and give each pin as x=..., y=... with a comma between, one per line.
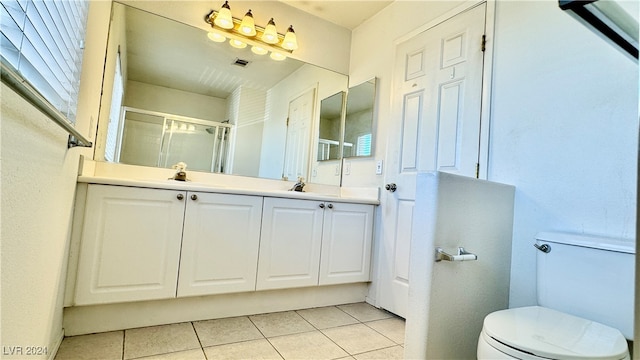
x=587, y=276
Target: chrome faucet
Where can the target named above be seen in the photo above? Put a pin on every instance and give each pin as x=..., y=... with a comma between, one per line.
x=299, y=186
x=181, y=174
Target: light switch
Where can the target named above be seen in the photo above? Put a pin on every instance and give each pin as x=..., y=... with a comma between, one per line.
x=379, y=167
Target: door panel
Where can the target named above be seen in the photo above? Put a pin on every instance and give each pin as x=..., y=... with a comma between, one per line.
x=299, y=136
x=130, y=245
x=290, y=243
x=220, y=244
x=437, y=93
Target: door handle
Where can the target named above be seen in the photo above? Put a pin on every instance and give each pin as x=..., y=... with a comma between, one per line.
x=391, y=187
x=194, y=197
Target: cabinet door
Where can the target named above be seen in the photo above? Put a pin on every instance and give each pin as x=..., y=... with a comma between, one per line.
x=220, y=244
x=346, y=243
x=290, y=243
x=130, y=245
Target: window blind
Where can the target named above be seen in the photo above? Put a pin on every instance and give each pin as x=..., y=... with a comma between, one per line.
x=42, y=41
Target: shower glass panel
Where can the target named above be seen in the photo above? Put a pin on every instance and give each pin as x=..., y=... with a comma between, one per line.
x=156, y=139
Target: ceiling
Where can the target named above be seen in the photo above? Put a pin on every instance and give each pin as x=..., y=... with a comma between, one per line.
x=348, y=14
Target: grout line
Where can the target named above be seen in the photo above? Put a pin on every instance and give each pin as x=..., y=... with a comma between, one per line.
x=124, y=338
x=198, y=337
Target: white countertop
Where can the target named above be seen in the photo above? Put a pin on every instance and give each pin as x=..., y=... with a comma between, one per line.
x=348, y=195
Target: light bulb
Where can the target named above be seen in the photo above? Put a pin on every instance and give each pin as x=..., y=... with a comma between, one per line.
x=290, y=42
x=258, y=50
x=224, y=19
x=217, y=37
x=248, y=26
x=277, y=56
x=270, y=35
x=237, y=44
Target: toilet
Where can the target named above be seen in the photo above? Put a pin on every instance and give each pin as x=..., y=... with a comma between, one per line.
x=585, y=298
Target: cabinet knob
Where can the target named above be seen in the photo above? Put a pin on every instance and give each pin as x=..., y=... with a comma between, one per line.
x=194, y=197
x=180, y=196
x=330, y=206
x=391, y=187
x=321, y=206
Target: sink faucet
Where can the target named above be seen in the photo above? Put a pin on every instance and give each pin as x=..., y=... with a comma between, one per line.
x=181, y=174
x=299, y=186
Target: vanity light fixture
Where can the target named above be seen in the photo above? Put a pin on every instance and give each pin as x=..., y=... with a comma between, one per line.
x=241, y=33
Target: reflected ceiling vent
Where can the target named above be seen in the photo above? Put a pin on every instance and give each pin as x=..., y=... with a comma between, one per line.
x=241, y=62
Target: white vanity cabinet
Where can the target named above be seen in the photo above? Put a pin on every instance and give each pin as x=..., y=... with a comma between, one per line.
x=134, y=240
x=290, y=243
x=219, y=244
x=347, y=232
x=130, y=244
x=137, y=244
x=307, y=243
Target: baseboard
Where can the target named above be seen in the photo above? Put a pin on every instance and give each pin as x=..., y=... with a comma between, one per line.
x=80, y=320
x=56, y=345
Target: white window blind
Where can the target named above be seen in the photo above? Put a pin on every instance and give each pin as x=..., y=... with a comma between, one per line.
x=42, y=41
x=363, y=147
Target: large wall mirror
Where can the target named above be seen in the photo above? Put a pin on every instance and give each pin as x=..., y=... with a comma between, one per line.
x=170, y=94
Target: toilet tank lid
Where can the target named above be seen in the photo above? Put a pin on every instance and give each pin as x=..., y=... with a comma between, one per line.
x=590, y=241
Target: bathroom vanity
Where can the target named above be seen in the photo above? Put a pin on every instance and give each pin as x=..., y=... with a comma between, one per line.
x=140, y=241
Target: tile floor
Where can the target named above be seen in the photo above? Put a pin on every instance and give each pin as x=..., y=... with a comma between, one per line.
x=352, y=331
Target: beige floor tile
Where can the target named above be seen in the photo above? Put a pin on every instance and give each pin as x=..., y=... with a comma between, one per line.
x=356, y=339
x=158, y=340
x=225, y=331
x=254, y=349
x=309, y=345
x=392, y=328
x=195, y=354
x=392, y=353
x=102, y=346
x=283, y=323
x=364, y=312
x=327, y=317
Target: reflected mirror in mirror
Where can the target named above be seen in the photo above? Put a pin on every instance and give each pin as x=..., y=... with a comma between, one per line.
x=330, y=127
x=164, y=88
x=358, y=124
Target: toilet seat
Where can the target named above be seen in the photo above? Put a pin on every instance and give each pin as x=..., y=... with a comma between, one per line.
x=546, y=333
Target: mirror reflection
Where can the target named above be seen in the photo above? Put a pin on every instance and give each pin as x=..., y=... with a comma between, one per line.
x=173, y=95
x=358, y=124
x=330, y=127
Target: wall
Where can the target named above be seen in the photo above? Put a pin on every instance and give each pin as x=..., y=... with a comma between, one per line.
x=38, y=187
x=248, y=114
x=176, y=102
x=564, y=130
x=563, y=126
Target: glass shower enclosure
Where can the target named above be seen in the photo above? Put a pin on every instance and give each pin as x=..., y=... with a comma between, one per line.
x=150, y=138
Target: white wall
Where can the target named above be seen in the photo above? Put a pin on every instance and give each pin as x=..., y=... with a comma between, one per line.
x=564, y=130
x=563, y=127
x=38, y=188
x=176, y=102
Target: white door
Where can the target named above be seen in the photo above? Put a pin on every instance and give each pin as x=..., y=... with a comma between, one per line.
x=290, y=243
x=437, y=92
x=346, y=243
x=130, y=246
x=220, y=244
x=296, y=159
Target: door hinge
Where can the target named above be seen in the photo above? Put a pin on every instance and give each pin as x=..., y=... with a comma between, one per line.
x=287, y=121
x=477, y=170
x=483, y=43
